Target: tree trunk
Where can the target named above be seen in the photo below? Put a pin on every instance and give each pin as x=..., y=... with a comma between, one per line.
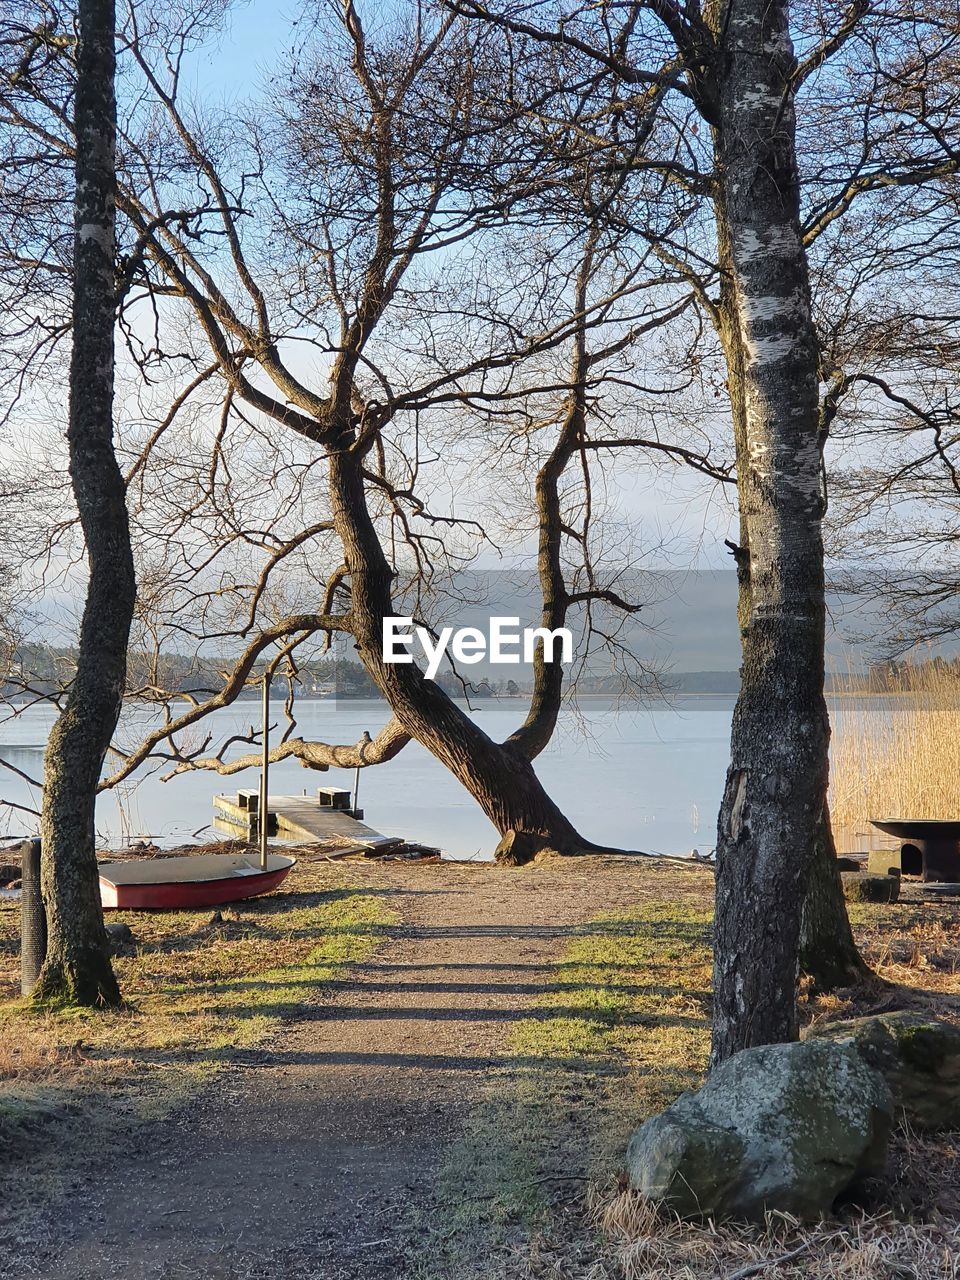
x=498, y=775
x=776, y=785
x=828, y=952
x=77, y=967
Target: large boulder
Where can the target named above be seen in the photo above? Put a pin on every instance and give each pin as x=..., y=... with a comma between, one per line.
x=787, y=1126
x=858, y=887
x=120, y=939
x=918, y=1055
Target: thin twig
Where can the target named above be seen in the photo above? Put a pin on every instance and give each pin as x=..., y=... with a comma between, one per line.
x=23, y=808
x=756, y=1267
x=521, y=1186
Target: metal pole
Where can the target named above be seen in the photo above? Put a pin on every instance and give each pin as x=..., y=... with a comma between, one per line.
x=264, y=770
x=356, y=790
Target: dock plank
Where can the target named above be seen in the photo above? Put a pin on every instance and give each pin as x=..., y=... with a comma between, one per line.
x=305, y=820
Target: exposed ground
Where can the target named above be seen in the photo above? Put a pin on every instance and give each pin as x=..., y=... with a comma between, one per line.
x=414, y=1071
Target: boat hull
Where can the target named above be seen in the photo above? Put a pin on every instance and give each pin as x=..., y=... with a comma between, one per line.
x=169, y=884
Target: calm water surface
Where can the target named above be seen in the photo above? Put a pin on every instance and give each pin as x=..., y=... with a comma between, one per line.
x=635, y=777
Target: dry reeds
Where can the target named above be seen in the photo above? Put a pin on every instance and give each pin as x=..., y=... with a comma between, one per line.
x=896, y=749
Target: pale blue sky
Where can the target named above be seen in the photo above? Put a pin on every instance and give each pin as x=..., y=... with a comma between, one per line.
x=249, y=51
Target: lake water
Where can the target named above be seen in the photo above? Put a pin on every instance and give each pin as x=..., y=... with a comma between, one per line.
x=647, y=777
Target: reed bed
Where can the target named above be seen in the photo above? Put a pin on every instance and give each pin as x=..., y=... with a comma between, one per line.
x=896, y=748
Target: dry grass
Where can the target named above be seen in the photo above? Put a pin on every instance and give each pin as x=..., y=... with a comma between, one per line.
x=903, y=1227
x=198, y=987
x=645, y=1245
x=897, y=752
x=913, y=946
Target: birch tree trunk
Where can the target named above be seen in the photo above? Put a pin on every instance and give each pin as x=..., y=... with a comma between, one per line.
x=775, y=792
x=77, y=968
x=828, y=951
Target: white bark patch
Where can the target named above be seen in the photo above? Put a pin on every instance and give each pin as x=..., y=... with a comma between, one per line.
x=739, y=802
x=771, y=306
x=769, y=350
x=97, y=233
x=805, y=477
x=759, y=454
x=752, y=98
x=781, y=236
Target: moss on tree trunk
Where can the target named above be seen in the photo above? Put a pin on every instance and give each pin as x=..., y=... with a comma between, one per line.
x=828, y=952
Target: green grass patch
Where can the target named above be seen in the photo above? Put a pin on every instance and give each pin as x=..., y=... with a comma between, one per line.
x=199, y=987
x=619, y=1030
x=633, y=988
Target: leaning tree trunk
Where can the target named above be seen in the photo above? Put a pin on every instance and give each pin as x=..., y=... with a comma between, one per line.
x=499, y=776
x=776, y=784
x=77, y=967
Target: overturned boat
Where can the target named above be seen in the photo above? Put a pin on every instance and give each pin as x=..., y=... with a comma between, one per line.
x=182, y=883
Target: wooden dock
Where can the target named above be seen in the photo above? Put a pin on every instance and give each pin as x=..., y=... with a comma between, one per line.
x=304, y=820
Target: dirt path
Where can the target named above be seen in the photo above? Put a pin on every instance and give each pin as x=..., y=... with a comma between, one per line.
x=298, y=1161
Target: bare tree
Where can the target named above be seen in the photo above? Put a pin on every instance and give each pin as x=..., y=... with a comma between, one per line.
x=735, y=67
x=729, y=77
x=325, y=292
x=77, y=967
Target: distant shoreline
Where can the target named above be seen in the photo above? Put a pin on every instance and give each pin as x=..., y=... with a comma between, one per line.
x=478, y=701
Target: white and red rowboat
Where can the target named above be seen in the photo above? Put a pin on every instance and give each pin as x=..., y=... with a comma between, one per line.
x=198, y=880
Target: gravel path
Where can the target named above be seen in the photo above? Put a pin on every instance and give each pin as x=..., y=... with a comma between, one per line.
x=300, y=1159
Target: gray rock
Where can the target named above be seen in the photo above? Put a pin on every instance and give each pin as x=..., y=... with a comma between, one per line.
x=845, y=863
x=787, y=1126
x=918, y=1055
x=871, y=888
x=120, y=938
